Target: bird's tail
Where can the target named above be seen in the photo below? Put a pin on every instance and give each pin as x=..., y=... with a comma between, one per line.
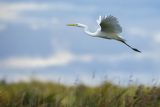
x=130, y=46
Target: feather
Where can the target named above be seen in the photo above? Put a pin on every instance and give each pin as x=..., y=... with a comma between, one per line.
x=110, y=24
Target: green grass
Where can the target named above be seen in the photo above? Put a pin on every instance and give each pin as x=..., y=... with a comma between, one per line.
x=38, y=94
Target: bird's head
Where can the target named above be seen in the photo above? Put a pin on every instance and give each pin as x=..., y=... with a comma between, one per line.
x=76, y=25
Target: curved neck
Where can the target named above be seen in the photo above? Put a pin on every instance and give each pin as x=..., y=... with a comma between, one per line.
x=86, y=30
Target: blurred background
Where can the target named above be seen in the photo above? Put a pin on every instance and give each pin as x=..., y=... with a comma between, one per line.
x=36, y=43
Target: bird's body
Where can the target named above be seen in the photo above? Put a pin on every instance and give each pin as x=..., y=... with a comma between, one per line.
x=109, y=28
x=108, y=35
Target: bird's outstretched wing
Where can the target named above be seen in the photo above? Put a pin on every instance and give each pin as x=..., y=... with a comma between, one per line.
x=109, y=24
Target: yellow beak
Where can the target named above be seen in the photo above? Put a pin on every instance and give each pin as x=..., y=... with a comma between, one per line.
x=71, y=24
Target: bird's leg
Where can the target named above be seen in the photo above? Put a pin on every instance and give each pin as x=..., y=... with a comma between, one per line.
x=130, y=46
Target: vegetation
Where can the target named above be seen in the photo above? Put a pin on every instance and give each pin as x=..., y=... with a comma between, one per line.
x=38, y=94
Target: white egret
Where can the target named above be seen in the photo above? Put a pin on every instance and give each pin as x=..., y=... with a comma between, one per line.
x=109, y=28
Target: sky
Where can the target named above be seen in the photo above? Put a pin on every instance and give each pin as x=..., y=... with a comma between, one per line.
x=36, y=43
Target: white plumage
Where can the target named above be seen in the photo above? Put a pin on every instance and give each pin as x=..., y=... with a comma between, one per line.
x=109, y=28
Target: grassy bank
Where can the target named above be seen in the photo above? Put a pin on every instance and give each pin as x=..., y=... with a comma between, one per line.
x=38, y=94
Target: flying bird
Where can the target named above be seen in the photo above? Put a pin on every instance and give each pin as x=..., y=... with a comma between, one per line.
x=109, y=28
